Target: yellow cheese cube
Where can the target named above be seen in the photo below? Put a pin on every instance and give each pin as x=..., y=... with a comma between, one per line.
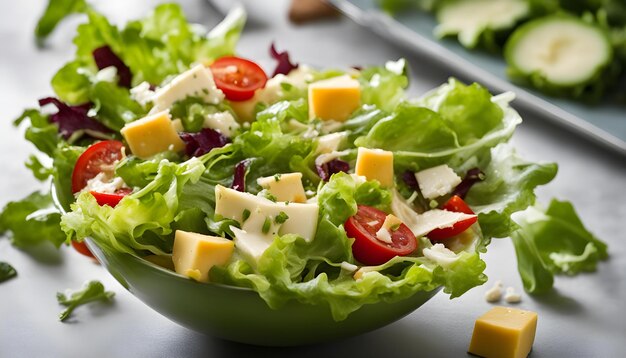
x=245, y=109
x=375, y=164
x=195, y=254
x=151, y=135
x=504, y=332
x=285, y=187
x=334, y=98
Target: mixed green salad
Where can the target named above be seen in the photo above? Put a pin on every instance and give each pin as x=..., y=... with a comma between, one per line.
x=565, y=48
x=322, y=186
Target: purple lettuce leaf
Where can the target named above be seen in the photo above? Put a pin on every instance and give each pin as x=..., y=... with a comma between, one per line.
x=409, y=179
x=200, y=143
x=105, y=57
x=472, y=177
x=332, y=167
x=284, y=65
x=239, y=178
x=71, y=119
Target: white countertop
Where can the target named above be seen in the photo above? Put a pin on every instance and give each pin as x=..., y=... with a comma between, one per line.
x=584, y=317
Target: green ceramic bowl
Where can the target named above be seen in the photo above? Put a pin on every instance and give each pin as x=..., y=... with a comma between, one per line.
x=239, y=314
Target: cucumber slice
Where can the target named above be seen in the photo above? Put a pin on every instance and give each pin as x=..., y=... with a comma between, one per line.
x=559, y=54
x=470, y=20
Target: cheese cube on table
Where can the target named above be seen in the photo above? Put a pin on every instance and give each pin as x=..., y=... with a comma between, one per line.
x=334, y=98
x=195, y=254
x=152, y=135
x=504, y=332
x=375, y=164
x=285, y=187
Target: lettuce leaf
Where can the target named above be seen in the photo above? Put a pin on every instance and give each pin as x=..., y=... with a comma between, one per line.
x=454, y=124
x=56, y=11
x=509, y=186
x=32, y=221
x=554, y=241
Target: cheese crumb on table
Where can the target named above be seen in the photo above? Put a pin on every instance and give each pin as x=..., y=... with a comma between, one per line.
x=504, y=332
x=495, y=293
x=511, y=296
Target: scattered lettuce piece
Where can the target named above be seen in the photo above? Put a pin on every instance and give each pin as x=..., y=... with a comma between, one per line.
x=554, y=241
x=56, y=11
x=31, y=221
x=43, y=134
x=90, y=292
x=7, y=271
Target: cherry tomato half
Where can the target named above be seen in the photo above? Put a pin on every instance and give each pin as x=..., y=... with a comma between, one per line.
x=82, y=248
x=237, y=77
x=111, y=199
x=455, y=204
x=366, y=248
x=97, y=158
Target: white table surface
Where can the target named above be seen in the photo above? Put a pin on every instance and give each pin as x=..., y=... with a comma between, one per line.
x=584, y=317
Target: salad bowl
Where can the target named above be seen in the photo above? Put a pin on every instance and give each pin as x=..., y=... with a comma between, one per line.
x=239, y=314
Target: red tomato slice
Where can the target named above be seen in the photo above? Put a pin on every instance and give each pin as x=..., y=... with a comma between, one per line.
x=237, y=77
x=111, y=199
x=366, y=248
x=82, y=248
x=97, y=158
x=455, y=204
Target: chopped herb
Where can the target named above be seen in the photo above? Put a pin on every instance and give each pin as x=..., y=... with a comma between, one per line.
x=266, y=225
x=394, y=227
x=91, y=291
x=281, y=218
x=6, y=271
x=286, y=86
x=276, y=177
x=205, y=91
x=433, y=204
x=245, y=215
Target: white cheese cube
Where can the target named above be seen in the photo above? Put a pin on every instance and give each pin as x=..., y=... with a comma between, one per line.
x=440, y=255
x=285, y=187
x=437, y=181
x=302, y=217
x=251, y=245
x=196, y=82
x=433, y=219
x=330, y=142
x=224, y=122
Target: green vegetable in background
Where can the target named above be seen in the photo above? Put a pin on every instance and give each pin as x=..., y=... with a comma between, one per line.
x=558, y=68
x=6, y=271
x=92, y=291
